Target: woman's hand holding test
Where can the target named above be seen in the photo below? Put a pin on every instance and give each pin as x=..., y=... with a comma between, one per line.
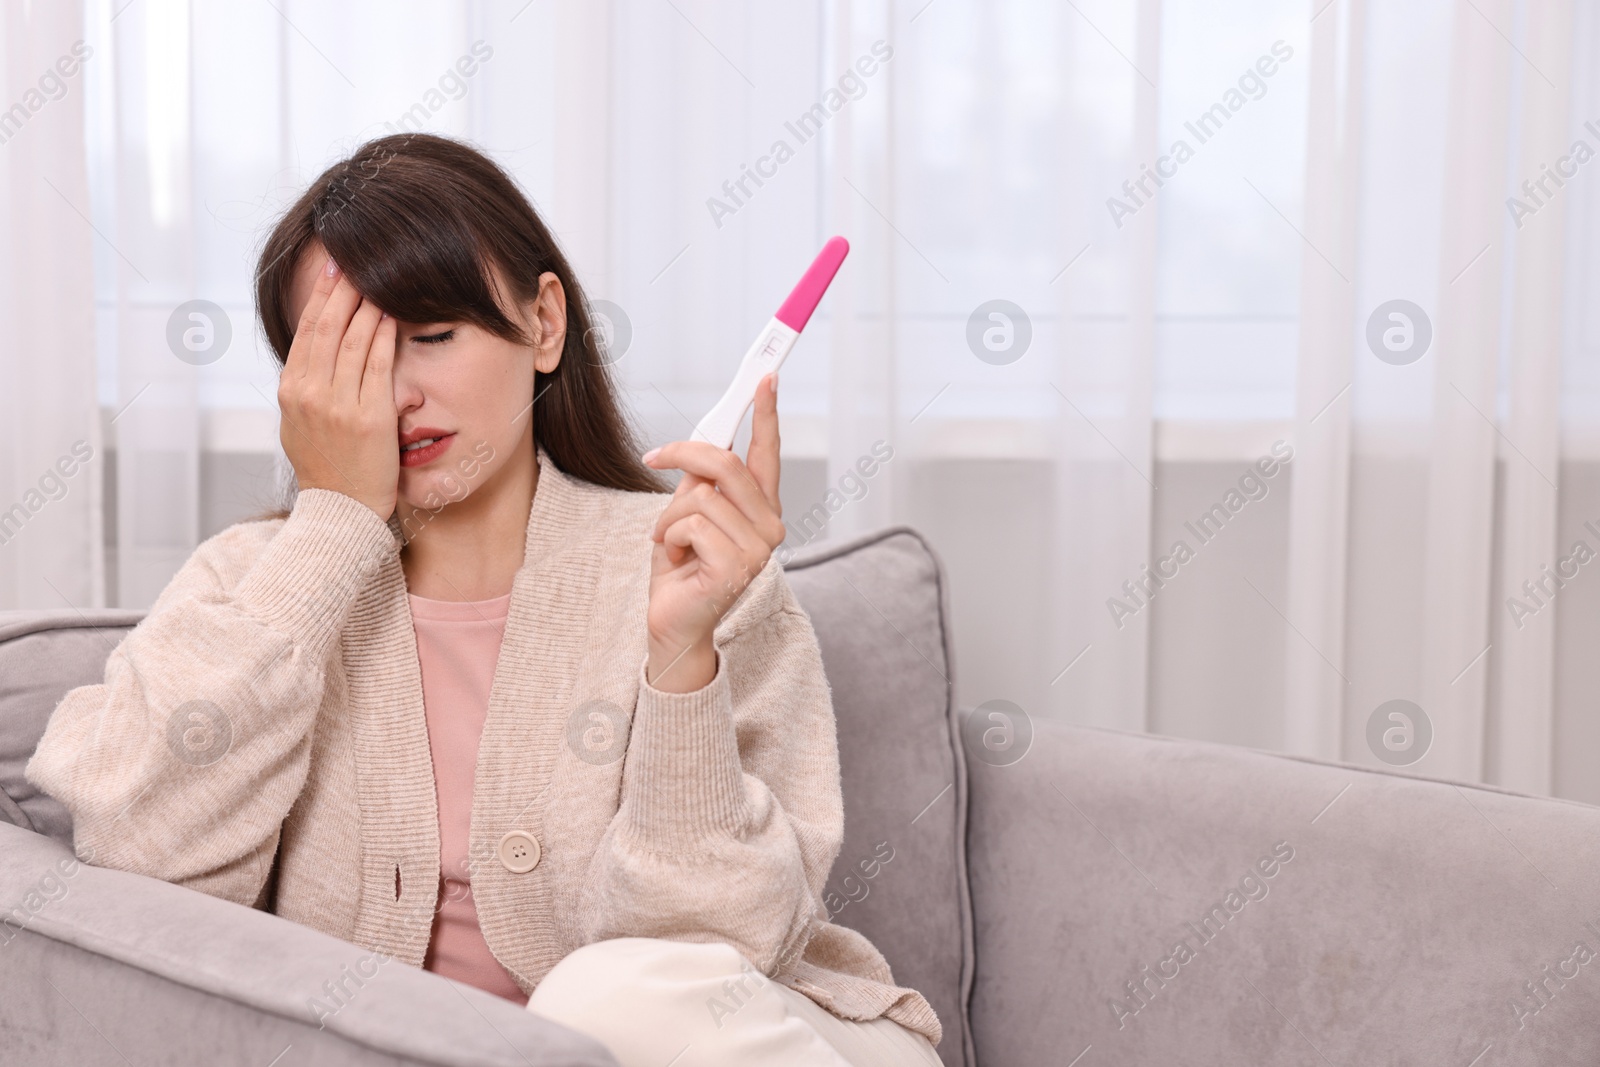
x=712, y=539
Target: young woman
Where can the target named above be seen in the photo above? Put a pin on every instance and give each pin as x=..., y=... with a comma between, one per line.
x=488, y=699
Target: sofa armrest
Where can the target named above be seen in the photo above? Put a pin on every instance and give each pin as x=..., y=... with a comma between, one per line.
x=1403, y=921
x=104, y=966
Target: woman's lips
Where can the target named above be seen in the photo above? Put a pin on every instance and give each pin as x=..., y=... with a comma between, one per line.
x=417, y=457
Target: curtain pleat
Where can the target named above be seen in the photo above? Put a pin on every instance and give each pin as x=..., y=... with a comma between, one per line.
x=1522, y=731
x=52, y=459
x=1316, y=680
x=1466, y=345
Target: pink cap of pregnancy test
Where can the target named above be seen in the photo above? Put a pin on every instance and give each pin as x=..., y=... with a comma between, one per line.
x=796, y=310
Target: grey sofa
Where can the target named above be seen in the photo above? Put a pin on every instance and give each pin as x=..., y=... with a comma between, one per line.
x=1037, y=891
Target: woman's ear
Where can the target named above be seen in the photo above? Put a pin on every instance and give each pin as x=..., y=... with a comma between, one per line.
x=547, y=315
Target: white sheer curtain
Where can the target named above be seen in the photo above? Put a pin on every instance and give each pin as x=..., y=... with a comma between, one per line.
x=1065, y=340
x=50, y=477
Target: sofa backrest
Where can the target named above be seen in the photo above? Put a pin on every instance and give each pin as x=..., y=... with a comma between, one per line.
x=1151, y=900
x=878, y=605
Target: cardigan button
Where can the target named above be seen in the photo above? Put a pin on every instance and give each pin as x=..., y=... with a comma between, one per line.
x=519, y=852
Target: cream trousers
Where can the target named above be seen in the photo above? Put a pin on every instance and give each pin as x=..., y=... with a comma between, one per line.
x=656, y=1003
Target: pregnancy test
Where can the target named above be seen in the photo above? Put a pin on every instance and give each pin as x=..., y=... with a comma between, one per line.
x=771, y=345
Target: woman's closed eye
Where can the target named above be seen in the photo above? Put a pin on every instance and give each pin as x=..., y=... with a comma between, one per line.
x=434, y=338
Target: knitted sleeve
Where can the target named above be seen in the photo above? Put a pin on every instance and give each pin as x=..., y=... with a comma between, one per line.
x=731, y=810
x=183, y=763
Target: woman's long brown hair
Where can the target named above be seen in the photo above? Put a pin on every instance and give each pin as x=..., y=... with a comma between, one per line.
x=414, y=220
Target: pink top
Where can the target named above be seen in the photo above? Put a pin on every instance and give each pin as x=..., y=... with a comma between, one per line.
x=458, y=645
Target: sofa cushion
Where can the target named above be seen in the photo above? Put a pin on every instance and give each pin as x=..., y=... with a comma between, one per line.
x=879, y=605
x=43, y=654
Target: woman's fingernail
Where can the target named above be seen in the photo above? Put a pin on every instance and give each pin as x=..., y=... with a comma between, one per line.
x=650, y=455
x=774, y=382
x=332, y=268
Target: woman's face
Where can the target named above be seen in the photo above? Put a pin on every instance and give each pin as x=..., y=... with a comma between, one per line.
x=469, y=389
